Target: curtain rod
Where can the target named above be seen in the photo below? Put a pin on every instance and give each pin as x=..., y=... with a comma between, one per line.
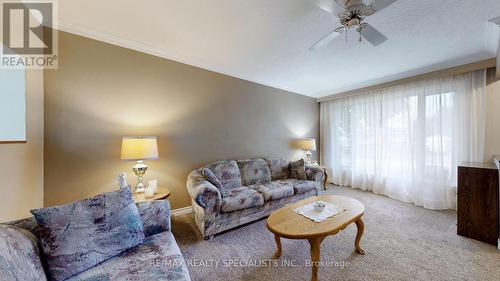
x=457, y=70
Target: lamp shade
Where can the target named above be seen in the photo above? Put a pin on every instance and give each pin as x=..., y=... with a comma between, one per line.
x=307, y=144
x=139, y=148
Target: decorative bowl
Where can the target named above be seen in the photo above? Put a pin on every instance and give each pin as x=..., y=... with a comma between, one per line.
x=319, y=206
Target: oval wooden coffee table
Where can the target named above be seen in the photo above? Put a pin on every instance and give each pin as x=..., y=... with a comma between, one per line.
x=288, y=224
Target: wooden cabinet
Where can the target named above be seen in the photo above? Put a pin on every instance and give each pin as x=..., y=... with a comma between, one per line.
x=478, y=200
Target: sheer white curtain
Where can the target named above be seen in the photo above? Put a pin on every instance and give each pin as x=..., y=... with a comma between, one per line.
x=406, y=141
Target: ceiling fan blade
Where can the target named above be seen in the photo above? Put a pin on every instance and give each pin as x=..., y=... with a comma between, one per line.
x=373, y=36
x=378, y=5
x=330, y=6
x=324, y=41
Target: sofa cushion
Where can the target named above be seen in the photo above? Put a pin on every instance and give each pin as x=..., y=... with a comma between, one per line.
x=19, y=255
x=158, y=258
x=241, y=198
x=297, y=170
x=279, y=169
x=79, y=235
x=303, y=186
x=228, y=174
x=254, y=171
x=274, y=190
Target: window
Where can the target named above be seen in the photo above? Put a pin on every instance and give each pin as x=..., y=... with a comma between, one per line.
x=406, y=141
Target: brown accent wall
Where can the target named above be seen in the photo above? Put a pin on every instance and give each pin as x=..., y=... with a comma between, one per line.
x=21, y=164
x=101, y=92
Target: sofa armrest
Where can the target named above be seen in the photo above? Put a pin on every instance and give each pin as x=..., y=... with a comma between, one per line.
x=205, y=194
x=21, y=256
x=155, y=216
x=314, y=173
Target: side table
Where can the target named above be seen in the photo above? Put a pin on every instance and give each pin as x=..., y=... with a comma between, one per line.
x=162, y=193
x=325, y=175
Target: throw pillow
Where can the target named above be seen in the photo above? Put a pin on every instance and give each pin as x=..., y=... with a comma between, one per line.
x=254, y=171
x=279, y=168
x=79, y=235
x=228, y=174
x=297, y=170
x=211, y=178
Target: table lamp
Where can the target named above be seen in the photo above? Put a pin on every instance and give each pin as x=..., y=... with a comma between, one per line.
x=139, y=149
x=307, y=145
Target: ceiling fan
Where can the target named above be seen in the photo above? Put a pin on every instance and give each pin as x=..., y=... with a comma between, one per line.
x=352, y=15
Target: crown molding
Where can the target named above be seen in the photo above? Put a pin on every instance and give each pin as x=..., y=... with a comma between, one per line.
x=88, y=32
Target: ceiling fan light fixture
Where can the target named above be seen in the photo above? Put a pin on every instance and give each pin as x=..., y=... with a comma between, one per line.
x=353, y=22
x=352, y=15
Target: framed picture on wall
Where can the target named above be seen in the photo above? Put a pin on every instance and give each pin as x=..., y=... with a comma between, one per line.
x=12, y=105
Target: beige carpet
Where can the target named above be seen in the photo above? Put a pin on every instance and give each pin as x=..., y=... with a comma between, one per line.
x=402, y=242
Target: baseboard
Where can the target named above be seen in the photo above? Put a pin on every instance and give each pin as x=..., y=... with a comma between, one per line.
x=181, y=211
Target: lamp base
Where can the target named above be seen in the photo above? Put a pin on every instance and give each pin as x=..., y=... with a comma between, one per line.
x=140, y=169
x=308, y=157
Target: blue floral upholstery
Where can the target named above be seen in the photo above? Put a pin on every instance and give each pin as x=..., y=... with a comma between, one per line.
x=79, y=235
x=211, y=178
x=241, y=198
x=303, y=186
x=28, y=224
x=274, y=190
x=228, y=174
x=211, y=225
x=19, y=255
x=254, y=171
x=298, y=170
x=279, y=168
x=217, y=211
x=314, y=173
x=157, y=258
x=205, y=194
x=155, y=216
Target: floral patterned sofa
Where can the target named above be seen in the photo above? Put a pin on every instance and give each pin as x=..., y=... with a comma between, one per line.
x=157, y=258
x=227, y=194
